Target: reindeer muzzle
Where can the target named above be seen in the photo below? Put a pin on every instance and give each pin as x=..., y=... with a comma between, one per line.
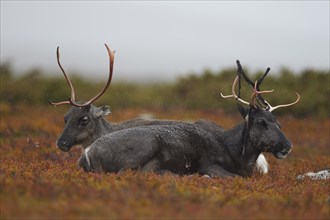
x=284, y=152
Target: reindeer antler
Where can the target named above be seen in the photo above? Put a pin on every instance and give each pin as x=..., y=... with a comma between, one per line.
x=255, y=93
x=271, y=108
x=256, y=90
x=233, y=94
x=111, y=61
x=72, y=98
x=241, y=72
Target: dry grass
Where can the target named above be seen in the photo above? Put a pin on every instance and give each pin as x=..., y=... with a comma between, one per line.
x=39, y=181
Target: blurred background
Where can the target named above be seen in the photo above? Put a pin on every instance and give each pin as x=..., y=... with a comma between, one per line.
x=168, y=54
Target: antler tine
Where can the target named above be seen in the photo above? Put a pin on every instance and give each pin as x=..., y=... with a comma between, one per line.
x=111, y=61
x=240, y=70
x=271, y=108
x=264, y=102
x=256, y=93
x=233, y=95
x=73, y=96
x=59, y=103
x=256, y=90
x=239, y=78
x=259, y=81
x=260, y=99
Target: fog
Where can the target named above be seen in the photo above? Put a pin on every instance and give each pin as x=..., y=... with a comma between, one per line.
x=164, y=39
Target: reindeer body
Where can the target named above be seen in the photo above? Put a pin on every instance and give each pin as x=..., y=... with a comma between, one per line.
x=185, y=148
x=175, y=148
x=84, y=125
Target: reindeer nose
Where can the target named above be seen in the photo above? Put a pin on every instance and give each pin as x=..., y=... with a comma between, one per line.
x=288, y=145
x=287, y=148
x=60, y=143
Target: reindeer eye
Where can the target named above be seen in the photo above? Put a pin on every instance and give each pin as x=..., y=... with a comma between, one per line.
x=262, y=123
x=84, y=120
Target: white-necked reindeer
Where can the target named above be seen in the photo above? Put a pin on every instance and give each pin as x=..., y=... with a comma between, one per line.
x=185, y=148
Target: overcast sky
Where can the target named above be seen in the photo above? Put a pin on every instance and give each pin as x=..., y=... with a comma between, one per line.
x=164, y=39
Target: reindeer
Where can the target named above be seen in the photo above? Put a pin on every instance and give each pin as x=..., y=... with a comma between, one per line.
x=185, y=148
x=84, y=122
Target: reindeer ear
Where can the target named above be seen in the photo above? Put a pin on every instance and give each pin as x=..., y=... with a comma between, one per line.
x=102, y=111
x=251, y=113
x=244, y=111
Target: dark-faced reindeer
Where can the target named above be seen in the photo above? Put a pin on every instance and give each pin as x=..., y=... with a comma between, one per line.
x=185, y=148
x=84, y=122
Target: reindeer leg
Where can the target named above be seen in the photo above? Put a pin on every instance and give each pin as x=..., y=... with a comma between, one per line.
x=163, y=172
x=151, y=166
x=216, y=170
x=154, y=166
x=82, y=162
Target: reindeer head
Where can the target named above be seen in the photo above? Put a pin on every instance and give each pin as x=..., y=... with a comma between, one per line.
x=262, y=130
x=81, y=119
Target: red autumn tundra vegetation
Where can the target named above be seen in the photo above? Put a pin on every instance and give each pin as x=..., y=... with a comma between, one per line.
x=38, y=181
